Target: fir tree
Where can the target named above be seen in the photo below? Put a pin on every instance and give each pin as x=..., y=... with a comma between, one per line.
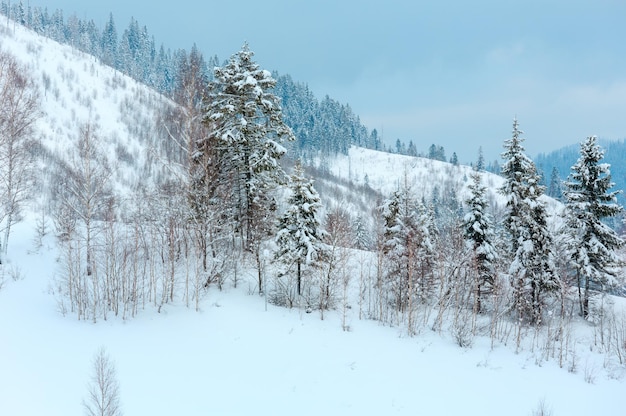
x=299, y=236
x=480, y=238
x=480, y=163
x=360, y=234
x=247, y=121
x=411, y=150
x=109, y=43
x=532, y=269
x=454, y=159
x=409, y=246
x=555, y=189
x=589, y=201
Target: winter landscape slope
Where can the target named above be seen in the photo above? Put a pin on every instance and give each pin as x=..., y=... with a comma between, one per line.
x=238, y=355
x=75, y=90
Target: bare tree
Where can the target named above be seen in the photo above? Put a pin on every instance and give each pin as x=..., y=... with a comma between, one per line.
x=103, y=397
x=335, y=260
x=83, y=188
x=18, y=113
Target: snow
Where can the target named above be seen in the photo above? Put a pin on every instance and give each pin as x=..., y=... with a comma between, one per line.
x=80, y=90
x=386, y=172
x=238, y=355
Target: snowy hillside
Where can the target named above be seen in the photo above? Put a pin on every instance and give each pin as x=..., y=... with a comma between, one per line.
x=75, y=90
x=237, y=354
x=387, y=172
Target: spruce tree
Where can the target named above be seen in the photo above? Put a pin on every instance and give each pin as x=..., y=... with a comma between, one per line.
x=532, y=268
x=399, y=214
x=299, y=236
x=109, y=43
x=361, y=234
x=555, y=190
x=409, y=245
x=246, y=119
x=480, y=163
x=480, y=237
x=589, y=201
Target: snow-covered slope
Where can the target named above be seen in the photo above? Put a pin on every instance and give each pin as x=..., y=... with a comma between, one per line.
x=388, y=172
x=239, y=356
x=76, y=89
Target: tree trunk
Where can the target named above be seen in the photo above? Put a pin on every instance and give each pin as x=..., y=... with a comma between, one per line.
x=586, y=299
x=299, y=278
x=580, y=294
x=259, y=268
x=7, y=232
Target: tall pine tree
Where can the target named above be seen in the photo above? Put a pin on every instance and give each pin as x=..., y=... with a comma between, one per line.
x=246, y=119
x=532, y=268
x=589, y=201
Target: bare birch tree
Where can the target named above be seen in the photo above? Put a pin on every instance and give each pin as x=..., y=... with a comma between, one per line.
x=103, y=394
x=83, y=188
x=18, y=113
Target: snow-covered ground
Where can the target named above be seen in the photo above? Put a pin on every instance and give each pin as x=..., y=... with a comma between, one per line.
x=239, y=356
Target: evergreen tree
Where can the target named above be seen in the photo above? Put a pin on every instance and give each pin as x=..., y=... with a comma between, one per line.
x=399, y=214
x=412, y=150
x=109, y=43
x=360, y=233
x=400, y=147
x=454, y=159
x=437, y=153
x=555, y=189
x=589, y=201
x=374, y=141
x=409, y=244
x=532, y=269
x=480, y=237
x=56, y=27
x=247, y=121
x=480, y=163
x=299, y=236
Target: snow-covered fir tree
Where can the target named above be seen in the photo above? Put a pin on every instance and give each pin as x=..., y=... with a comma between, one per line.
x=299, y=236
x=454, y=159
x=108, y=42
x=480, y=238
x=555, y=190
x=480, y=162
x=409, y=248
x=361, y=240
x=246, y=119
x=593, y=244
x=532, y=268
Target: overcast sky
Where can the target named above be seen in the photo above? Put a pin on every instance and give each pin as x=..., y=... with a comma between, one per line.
x=453, y=73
